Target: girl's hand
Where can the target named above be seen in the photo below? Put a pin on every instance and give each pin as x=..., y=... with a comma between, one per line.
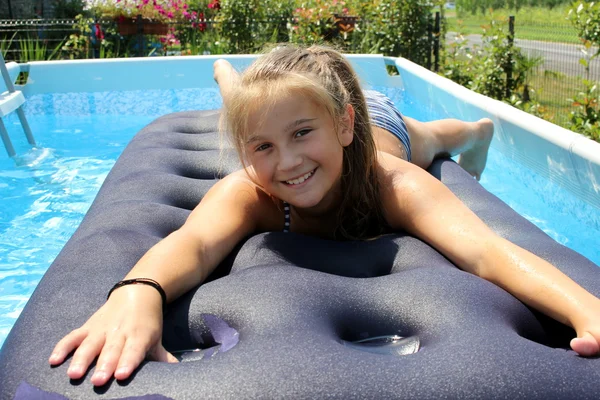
x=126, y=329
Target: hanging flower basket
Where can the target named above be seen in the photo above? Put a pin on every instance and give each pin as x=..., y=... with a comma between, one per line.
x=129, y=26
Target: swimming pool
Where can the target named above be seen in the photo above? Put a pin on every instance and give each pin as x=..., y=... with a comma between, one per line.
x=46, y=191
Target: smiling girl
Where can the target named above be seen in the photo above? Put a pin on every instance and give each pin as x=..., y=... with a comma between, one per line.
x=314, y=165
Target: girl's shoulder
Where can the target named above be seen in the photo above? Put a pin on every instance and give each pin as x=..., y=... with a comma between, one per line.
x=391, y=170
x=403, y=187
x=242, y=191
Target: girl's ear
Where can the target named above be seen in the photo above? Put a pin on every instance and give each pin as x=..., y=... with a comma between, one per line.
x=346, y=131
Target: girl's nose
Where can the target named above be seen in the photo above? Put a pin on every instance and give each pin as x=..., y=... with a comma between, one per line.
x=288, y=160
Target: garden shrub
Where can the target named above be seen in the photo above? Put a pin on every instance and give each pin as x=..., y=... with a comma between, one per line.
x=585, y=118
x=245, y=26
x=317, y=21
x=397, y=28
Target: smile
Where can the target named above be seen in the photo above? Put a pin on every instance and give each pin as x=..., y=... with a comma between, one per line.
x=301, y=179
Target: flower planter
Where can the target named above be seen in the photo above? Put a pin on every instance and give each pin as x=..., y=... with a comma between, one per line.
x=129, y=26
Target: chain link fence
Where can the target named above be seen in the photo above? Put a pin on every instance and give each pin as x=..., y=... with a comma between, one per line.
x=557, y=74
x=24, y=40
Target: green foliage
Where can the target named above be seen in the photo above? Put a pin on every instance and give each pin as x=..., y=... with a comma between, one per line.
x=5, y=45
x=32, y=49
x=585, y=118
x=390, y=27
x=78, y=44
x=458, y=65
x=316, y=21
x=397, y=28
x=530, y=107
x=244, y=27
x=585, y=16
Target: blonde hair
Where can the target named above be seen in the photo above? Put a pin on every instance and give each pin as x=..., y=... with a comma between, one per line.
x=327, y=78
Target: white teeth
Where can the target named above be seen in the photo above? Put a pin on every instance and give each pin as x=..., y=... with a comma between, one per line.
x=300, y=180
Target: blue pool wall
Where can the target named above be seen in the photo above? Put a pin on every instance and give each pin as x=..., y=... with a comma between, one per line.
x=560, y=155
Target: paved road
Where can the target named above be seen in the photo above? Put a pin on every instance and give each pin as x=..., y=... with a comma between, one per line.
x=558, y=57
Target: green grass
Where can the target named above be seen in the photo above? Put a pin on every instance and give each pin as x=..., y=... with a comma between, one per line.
x=552, y=91
x=532, y=23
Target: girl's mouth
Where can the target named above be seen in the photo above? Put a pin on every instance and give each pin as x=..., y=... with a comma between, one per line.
x=300, y=180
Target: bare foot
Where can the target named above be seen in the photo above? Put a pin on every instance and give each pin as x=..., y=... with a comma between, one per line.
x=473, y=160
x=225, y=76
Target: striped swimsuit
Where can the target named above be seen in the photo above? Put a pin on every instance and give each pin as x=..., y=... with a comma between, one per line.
x=384, y=115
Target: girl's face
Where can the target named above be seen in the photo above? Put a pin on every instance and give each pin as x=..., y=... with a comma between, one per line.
x=295, y=153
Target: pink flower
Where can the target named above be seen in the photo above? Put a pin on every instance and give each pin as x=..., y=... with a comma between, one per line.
x=170, y=14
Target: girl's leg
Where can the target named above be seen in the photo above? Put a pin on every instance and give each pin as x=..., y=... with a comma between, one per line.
x=450, y=137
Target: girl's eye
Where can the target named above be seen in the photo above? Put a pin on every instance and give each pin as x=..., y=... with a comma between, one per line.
x=262, y=147
x=301, y=133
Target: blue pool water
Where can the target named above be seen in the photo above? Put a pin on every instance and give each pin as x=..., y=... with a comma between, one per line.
x=46, y=191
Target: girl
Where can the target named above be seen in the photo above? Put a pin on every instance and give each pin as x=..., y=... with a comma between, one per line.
x=299, y=121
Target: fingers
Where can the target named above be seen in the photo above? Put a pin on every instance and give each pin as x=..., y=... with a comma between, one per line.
x=66, y=345
x=87, y=349
x=120, y=336
x=108, y=359
x=132, y=356
x=586, y=345
x=85, y=355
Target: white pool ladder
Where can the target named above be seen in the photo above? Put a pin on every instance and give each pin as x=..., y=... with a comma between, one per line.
x=10, y=101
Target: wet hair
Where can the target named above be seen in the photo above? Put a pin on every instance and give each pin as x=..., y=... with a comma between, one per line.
x=325, y=77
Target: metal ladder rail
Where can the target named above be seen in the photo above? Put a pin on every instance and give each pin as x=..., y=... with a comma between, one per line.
x=10, y=101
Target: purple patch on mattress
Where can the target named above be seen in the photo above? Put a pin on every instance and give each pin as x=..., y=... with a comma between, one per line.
x=222, y=333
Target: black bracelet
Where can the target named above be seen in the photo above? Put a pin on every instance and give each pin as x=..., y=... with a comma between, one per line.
x=143, y=281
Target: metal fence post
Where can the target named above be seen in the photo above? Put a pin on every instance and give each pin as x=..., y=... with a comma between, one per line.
x=140, y=35
x=436, y=42
x=509, y=66
x=429, y=41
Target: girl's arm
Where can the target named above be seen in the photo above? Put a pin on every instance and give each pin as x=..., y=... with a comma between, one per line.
x=420, y=204
x=128, y=327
